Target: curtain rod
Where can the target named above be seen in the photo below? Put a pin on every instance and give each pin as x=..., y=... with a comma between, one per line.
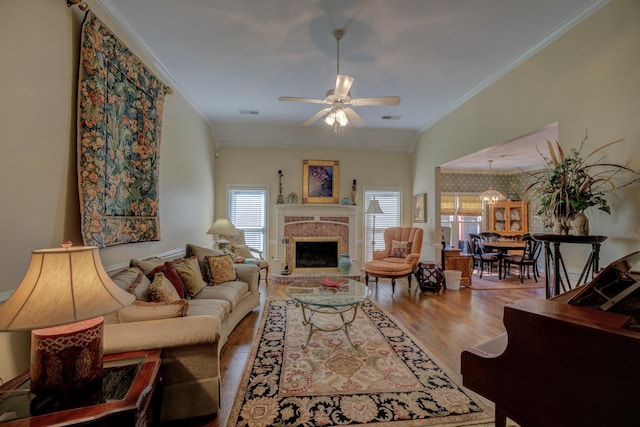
x=81, y=5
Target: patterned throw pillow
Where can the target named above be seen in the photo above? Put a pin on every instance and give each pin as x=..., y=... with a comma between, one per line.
x=161, y=290
x=172, y=275
x=190, y=274
x=219, y=269
x=400, y=249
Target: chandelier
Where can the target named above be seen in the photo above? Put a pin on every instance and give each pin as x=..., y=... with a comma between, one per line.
x=491, y=196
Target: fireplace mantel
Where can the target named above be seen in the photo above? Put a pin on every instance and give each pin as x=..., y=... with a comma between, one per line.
x=291, y=214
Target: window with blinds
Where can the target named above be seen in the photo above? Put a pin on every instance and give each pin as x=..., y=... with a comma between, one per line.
x=247, y=210
x=390, y=202
x=462, y=213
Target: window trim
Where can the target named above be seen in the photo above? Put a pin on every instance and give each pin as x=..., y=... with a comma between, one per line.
x=256, y=187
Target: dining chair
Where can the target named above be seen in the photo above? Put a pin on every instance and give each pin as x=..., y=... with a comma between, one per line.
x=482, y=258
x=528, y=260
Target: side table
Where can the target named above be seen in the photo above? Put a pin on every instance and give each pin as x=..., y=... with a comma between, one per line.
x=122, y=396
x=454, y=260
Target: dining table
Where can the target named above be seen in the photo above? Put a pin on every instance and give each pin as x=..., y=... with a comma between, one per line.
x=502, y=247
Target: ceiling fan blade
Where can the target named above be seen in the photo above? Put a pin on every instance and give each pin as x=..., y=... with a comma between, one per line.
x=354, y=118
x=316, y=116
x=343, y=85
x=296, y=99
x=382, y=100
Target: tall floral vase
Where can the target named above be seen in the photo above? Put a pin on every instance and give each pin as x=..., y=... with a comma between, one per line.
x=344, y=264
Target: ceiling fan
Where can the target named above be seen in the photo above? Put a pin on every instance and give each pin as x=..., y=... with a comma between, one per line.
x=338, y=114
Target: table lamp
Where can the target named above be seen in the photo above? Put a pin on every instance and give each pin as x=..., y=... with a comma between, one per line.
x=222, y=226
x=65, y=291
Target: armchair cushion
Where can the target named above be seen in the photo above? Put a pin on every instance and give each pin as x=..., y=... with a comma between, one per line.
x=399, y=249
x=242, y=251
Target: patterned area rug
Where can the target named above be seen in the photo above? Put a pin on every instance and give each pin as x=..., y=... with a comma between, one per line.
x=512, y=281
x=388, y=380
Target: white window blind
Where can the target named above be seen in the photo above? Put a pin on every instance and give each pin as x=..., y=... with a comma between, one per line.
x=248, y=212
x=390, y=203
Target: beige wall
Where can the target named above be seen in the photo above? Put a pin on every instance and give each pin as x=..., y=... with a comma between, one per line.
x=588, y=78
x=261, y=165
x=39, y=47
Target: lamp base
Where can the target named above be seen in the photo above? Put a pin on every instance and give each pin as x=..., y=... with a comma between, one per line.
x=66, y=357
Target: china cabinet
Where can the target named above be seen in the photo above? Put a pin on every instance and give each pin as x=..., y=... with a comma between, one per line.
x=509, y=218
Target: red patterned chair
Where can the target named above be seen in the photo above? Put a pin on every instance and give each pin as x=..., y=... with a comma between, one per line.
x=399, y=258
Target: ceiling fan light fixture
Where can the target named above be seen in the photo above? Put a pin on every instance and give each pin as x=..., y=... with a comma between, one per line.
x=341, y=117
x=331, y=118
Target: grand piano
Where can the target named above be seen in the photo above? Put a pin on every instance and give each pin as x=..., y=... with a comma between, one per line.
x=573, y=360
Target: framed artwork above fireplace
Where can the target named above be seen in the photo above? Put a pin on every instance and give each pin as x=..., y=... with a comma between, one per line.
x=320, y=181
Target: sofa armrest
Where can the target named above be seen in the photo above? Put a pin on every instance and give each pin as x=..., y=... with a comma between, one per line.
x=163, y=333
x=250, y=274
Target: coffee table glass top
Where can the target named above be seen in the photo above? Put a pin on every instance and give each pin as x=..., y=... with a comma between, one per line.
x=322, y=292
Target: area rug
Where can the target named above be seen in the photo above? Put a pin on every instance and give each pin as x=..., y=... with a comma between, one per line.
x=389, y=380
x=489, y=283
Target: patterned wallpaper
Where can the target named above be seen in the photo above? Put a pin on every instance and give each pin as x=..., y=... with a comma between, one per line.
x=513, y=185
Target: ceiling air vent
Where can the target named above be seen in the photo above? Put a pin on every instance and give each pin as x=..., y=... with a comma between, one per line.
x=249, y=112
x=391, y=117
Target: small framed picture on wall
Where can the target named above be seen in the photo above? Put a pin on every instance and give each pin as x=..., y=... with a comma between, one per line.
x=420, y=207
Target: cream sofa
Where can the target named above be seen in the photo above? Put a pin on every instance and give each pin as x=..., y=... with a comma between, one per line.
x=191, y=343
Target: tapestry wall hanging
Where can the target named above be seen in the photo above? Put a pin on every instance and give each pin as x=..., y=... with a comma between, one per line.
x=120, y=104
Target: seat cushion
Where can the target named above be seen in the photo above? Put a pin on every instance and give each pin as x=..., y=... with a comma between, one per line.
x=232, y=292
x=388, y=268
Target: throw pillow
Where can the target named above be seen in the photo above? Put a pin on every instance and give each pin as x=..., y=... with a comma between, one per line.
x=142, y=310
x=242, y=251
x=140, y=288
x=400, y=249
x=146, y=265
x=171, y=274
x=200, y=252
x=220, y=269
x=161, y=289
x=190, y=274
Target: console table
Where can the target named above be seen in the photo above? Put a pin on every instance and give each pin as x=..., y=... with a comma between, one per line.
x=122, y=396
x=555, y=258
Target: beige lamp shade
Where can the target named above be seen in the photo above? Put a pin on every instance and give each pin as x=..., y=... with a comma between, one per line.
x=374, y=207
x=62, y=286
x=223, y=226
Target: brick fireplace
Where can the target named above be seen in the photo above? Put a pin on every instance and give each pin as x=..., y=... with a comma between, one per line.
x=316, y=223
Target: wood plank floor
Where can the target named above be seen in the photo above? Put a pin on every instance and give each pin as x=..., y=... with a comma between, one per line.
x=446, y=323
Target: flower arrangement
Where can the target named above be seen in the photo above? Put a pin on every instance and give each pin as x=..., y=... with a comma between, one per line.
x=571, y=184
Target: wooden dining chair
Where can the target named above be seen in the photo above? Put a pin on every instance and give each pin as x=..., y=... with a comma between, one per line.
x=482, y=258
x=527, y=261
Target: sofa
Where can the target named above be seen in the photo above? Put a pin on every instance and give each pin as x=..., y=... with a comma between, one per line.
x=190, y=328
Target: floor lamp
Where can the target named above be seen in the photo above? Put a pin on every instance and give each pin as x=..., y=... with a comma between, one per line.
x=373, y=208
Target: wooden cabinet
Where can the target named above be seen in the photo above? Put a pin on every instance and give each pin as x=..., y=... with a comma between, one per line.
x=509, y=218
x=454, y=260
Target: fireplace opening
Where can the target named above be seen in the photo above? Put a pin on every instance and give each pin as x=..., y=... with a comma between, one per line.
x=316, y=254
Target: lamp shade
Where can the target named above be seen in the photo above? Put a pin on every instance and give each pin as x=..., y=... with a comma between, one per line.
x=61, y=286
x=374, y=207
x=223, y=226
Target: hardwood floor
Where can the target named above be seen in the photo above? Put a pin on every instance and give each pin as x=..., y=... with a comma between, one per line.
x=446, y=323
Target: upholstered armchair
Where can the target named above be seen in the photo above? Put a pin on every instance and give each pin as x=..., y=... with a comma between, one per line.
x=399, y=257
x=238, y=245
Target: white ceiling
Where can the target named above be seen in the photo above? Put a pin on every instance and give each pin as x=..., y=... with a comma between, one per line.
x=229, y=57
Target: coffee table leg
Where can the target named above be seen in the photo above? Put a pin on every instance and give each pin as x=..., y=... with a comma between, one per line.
x=308, y=321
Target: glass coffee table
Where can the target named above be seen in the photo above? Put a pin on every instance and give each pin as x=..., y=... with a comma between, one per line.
x=322, y=296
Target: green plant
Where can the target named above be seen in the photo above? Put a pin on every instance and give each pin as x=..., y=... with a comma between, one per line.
x=571, y=184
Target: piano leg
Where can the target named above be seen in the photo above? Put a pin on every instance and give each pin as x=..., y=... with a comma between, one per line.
x=501, y=417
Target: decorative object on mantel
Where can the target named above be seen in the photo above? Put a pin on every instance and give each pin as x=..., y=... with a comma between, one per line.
x=354, y=193
x=118, y=156
x=280, y=200
x=570, y=185
x=62, y=298
x=346, y=201
x=491, y=196
x=320, y=181
x=292, y=198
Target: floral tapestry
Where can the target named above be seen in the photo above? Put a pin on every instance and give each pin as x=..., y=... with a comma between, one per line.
x=120, y=104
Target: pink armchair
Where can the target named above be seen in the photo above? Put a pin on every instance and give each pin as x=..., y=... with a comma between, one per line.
x=399, y=257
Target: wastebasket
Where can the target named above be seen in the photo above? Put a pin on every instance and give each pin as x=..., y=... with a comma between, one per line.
x=452, y=279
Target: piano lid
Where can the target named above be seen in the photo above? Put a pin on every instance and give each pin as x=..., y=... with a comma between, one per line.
x=615, y=288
